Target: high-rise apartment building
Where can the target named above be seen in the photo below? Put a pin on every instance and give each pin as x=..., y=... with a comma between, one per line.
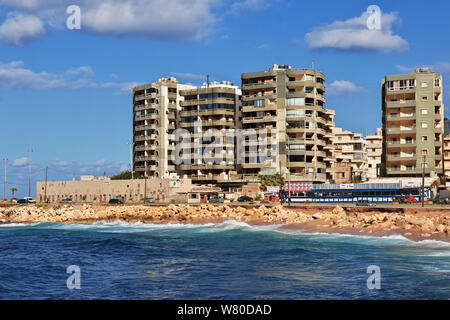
x=413, y=124
x=351, y=147
x=155, y=114
x=374, y=153
x=291, y=102
x=211, y=115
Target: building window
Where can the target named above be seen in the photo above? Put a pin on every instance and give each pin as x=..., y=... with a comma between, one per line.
x=259, y=103
x=424, y=152
x=424, y=125
x=424, y=84
x=295, y=101
x=437, y=82
x=424, y=138
x=424, y=98
x=424, y=111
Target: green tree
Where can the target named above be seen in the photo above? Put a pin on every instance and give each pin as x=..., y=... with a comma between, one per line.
x=125, y=175
x=271, y=180
x=13, y=191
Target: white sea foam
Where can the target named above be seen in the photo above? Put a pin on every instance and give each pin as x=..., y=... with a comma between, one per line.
x=22, y=225
x=136, y=227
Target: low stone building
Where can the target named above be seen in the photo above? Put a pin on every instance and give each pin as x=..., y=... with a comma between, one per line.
x=102, y=189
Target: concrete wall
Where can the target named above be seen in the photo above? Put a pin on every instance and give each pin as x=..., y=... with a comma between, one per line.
x=104, y=190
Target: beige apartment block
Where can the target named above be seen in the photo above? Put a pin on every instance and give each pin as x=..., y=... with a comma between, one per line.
x=101, y=189
x=352, y=148
x=156, y=109
x=374, y=153
x=210, y=115
x=446, y=147
x=290, y=103
x=413, y=124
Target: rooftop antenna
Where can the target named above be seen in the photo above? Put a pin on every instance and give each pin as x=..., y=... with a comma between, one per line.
x=207, y=80
x=313, y=64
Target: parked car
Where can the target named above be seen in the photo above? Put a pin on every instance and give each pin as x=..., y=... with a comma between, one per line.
x=150, y=200
x=438, y=200
x=216, y=199
x=245, y=199
x=365, y=203
x=14, y=200
x=30, y=200
x=23, y=201
x=66, y=201
x=407, y=199
x=115, y=201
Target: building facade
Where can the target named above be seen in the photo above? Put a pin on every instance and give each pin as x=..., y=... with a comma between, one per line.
x=289, y=104
x=210, y=115
x=92, y=189
x=413, y=124
x=156, y=109
x=351, y=147
x=374, y=153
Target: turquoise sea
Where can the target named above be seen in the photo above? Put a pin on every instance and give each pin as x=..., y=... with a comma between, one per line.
x=229, y=260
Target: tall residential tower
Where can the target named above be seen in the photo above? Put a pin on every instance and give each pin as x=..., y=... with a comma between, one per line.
x=291, y=101
x=155, y=114
x=413, y=124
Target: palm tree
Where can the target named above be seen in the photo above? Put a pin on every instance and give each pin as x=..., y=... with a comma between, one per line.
x=13, y=190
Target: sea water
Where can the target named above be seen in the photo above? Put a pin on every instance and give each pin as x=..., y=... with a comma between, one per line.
x=229, y=260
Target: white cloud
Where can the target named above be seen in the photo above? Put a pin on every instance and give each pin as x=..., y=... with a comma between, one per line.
x=439, y=67
x=84, y=71
x=19, y=28
x=353, y=35
x=15, y=75
x=191, y=76
x=343, y=88
x=20, y=162
x=178, y=20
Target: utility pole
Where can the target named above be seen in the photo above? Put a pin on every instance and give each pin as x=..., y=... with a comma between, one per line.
x=423, y=181
x=131, y=144
x=145, y=182
x=4, y=195
x=289, y=168
x=45, y=190
x=29, y=172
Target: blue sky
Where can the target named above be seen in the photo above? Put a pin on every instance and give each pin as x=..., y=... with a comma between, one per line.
x=66, y=93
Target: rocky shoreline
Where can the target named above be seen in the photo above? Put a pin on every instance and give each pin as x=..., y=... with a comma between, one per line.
x=413, y=224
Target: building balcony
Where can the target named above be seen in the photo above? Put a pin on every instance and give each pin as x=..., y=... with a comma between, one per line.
x=256, y=86
x=408, y=117
x=257, y=97
x=145, y=127
x=400, y=145
x=399, y=130
x=203, y=166
x=400, y=104
x=402, y=171
x=259, y=119
x=257, y=165
x=401, y=158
